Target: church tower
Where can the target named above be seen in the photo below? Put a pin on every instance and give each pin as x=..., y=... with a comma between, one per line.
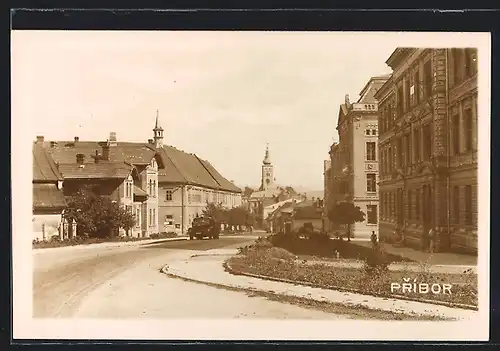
x=267, y=172
x=158, y=133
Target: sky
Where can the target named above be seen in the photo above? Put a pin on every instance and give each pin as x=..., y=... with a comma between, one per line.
x=221, y=95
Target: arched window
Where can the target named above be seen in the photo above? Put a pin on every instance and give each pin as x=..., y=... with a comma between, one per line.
x=154, y=188
x=150, y=188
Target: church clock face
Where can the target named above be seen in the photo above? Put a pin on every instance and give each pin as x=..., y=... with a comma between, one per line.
x=268, y=180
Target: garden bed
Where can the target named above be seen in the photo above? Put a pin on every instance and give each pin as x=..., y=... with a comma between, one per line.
x=277, y=263
x=327, y=248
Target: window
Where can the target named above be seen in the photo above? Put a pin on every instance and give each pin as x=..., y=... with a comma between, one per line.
x=407, y=150
x=371, y=185
x=169, y=219
x=400, y=102
x=468, y=129
x=456, y=205
x=150, y=187
x=374, y=132
x=370, y=151
x=457, y=63
x=470, y=62
x=389, y=160
x=367, y=132
x=456, y=133
x=150, y=216
x=416, y=142
x=399, y=152
x=407, y=94
x=427, y=79
x=168, y=195
x=416, y=88
x=427, y=136
x=409, y=204
x=154, y=188
x=390, y=115
x=371, y=214
x=417, y=204
x=137, y=217
x=468, y=205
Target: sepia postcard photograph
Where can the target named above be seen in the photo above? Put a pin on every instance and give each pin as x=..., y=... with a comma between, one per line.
x=250, y=185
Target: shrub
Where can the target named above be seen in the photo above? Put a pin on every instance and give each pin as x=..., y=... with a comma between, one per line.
x=376, y=261
x=282, y=254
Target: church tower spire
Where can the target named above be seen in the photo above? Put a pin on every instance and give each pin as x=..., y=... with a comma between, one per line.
x=267, y=171
x=158, y=132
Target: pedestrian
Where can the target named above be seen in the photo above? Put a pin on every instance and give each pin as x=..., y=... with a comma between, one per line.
x=374, y=238
x=432, y=238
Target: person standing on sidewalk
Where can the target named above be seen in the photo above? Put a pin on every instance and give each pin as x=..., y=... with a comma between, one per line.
x=432, y=239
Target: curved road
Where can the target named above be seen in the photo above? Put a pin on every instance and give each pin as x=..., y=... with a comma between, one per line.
x=125, y=282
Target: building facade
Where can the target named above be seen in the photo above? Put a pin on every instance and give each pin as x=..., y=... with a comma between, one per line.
x=327, y=186
x=354, y=160
x=428, y=147
x=165, y=188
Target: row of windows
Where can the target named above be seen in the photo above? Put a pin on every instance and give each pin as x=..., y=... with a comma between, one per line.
x=462, y=131
x=464, y=64
x=412, y=89
x=370, y=132
x=392, y=206
x=411, y=148
x=203, y=196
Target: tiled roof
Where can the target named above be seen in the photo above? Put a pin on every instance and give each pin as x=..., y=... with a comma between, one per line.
x=44, y=168
x=101, y=170
x=184, y=168
x=224, y=183
x=134, y=153
x=179, y=166
x=139, y=192
x=266, y=193
x=47, y=196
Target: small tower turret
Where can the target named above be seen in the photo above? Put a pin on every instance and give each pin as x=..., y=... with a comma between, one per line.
x=158, y=133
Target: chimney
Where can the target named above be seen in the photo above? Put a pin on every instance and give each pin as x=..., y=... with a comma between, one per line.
x=80, y=158
x=53, y=144
x=77, y=139
x=112, y=139
x=105, y=152
x=150, y=141
x=39, y=139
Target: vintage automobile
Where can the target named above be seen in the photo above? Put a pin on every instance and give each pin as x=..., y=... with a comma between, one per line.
x=204, y=227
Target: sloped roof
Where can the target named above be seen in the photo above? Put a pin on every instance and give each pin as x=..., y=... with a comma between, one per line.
x=185, y=168
x=177, y=166
x=367, y=94
x=101, y=170
x=44, y=167
x=134, y=153
x=47, y=196
x=139, y=192
x=224, y=183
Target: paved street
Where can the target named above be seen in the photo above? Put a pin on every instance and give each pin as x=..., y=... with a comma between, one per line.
x=125, y=282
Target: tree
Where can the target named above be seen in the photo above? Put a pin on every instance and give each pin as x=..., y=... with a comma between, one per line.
x=97, y=215
x=247, y=191
x=216, y=211
x=346, y=213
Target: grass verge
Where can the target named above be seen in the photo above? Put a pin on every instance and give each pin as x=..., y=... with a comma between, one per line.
x=277, y=263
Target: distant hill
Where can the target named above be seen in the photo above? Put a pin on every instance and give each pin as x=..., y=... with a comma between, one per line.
x=310, y=193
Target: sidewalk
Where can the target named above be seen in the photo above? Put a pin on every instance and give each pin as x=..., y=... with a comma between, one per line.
x=107, y=245
x=438, y=258
x=207, y=268
x=413, y=267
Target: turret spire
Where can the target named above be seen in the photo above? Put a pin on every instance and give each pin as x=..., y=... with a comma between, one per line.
x=158, y=132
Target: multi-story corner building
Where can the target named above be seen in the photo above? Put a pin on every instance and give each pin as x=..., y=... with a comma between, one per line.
x=428, y=147
x=354, y=159
x=163, y=187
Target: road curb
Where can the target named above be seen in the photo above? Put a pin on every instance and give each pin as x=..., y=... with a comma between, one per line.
x=106, y=245
x=165, y=270
x=231, y=270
